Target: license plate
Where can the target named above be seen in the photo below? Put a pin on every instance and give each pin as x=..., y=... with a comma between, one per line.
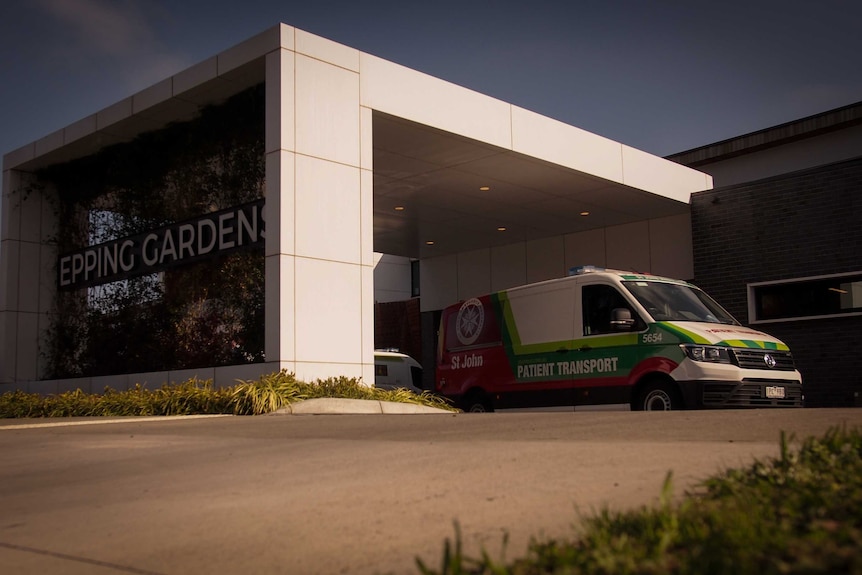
x=774, y=392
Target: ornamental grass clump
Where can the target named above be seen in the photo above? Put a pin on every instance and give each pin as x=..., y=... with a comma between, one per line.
x=136, y=401
x=352, y=388
x=402, y=395
x=343, y=387
x=267, y=394
x=275, y=391
x=20, y=404
x=799, y=513
x=192, y=397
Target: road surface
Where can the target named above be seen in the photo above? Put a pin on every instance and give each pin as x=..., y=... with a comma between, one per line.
x=357, y=494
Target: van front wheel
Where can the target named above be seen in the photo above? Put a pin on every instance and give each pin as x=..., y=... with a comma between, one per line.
x=658, y=396
x=477, y=402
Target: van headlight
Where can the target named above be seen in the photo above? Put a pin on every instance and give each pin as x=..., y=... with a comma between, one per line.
x=709, y=353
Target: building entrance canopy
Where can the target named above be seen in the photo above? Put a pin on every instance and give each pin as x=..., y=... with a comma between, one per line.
x=462, y=194
x=361, y=155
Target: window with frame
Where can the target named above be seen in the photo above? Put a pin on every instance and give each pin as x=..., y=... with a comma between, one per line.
x=805, y=298
x=598, y=302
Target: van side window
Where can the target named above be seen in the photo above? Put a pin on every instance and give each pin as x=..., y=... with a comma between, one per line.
x=416, y=376
x=382, y=370
x=598, y=303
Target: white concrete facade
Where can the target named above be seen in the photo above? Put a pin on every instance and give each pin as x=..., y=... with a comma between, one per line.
x=321, y=98
x=319, y=258
x=392, y=278
x=661, y=246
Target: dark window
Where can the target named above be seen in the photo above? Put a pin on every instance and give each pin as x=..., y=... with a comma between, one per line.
x=381, y=370
x=677, y=302
x=416, y=376
x=599, y=301
x=806, y=298
x=414, y=278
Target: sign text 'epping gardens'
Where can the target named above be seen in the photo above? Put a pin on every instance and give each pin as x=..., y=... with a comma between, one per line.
x=185, y=242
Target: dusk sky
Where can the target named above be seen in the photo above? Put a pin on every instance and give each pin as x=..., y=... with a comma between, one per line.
x=662, y=76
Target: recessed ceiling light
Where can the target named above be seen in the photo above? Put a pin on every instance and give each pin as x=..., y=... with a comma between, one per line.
x=501, y=229
x=585, y=213
x=429, y=243
x=399, y=208
x=484, y=188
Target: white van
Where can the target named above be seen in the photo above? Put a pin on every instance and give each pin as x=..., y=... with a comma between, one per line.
x=608, y=337
x=393, y=370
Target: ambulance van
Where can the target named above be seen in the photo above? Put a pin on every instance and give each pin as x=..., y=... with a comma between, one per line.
x=608, y=337
x=393, y=370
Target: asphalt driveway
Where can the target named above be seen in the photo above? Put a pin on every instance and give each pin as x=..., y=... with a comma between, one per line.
x=355, y=494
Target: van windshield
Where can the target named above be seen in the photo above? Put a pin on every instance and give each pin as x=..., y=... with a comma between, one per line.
x=677, y=302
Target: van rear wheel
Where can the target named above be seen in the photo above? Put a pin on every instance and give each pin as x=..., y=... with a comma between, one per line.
x=658, y=396
x=477, y=402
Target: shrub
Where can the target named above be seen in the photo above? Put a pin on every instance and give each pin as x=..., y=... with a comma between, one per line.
x=269, y=393
x=21, y=404
x=798, y=513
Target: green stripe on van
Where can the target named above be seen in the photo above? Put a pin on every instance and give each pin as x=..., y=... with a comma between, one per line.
x=684, y=335
x=753, y=344
x=508, y=329
x=616, y=340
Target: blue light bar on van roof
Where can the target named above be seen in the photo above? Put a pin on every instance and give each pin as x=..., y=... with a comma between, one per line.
x=578, y=270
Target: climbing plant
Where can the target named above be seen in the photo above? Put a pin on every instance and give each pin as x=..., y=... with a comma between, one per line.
x=201, y=314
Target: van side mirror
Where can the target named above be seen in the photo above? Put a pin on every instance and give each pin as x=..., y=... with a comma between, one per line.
x=621, y=319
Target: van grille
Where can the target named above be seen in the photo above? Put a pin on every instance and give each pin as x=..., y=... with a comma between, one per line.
x=751, y=393
x=755, y=359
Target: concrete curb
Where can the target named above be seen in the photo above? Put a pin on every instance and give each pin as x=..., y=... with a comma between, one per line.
x=335, y=406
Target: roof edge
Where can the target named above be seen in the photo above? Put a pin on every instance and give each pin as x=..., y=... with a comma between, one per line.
x=829, y=121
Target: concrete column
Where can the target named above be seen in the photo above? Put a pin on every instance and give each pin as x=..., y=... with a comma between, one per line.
x=319, y=260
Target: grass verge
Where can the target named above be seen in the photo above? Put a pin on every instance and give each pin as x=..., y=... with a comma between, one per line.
x=799, y=513
x=267, y=394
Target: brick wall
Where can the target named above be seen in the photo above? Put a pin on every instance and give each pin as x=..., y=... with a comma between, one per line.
x=800, y=224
